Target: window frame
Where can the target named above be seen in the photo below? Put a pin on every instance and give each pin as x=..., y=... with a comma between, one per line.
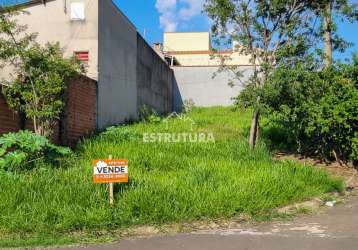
x=76, y=18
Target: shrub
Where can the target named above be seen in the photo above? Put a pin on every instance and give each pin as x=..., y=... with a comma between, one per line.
x=316, y=109
x=355, y=149
x=188, y=105
x=20, y=151
x=147, y=114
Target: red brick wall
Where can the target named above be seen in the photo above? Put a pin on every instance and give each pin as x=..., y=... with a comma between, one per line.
x=55, y=138
x=80, y=116
x=78, y=120
x=9, y=120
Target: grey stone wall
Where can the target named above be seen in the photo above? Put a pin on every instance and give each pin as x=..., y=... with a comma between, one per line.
x=199, y=85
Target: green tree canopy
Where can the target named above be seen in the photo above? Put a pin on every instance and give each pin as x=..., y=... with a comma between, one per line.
x=41, y=73
x=268, y=31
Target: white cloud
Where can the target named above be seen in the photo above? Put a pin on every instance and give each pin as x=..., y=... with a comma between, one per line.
x=167, y=10
x=193, y=8
x=166, y=5
x=174, y=12
x=168, y=23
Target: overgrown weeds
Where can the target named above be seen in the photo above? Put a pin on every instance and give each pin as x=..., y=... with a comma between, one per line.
x=169, y=182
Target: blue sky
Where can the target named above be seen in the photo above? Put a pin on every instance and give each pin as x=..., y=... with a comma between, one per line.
x=146, y=16
x=153, y=17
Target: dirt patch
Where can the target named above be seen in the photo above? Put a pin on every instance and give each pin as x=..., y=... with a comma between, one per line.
x=190, y=227
x=307, y=206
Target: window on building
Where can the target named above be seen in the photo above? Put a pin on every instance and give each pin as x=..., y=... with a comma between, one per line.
x=82, y=56
x=77, y=11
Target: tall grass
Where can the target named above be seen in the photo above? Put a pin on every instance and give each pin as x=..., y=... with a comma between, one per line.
x=169, y=182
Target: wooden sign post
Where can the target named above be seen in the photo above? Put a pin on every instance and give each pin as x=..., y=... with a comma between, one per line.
x=110, y=171
x=111, y=187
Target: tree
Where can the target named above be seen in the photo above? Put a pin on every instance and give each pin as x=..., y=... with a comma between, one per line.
x=329, y=11
x=41, y=75
x=327, y=33
x=13, y=38
x=269, y=31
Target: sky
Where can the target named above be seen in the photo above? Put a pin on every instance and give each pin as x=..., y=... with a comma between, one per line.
x=153, y=17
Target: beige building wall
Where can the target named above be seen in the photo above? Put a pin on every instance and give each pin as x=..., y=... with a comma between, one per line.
x=186, y=41
x=212, y=59
x=194, y=49
x=52, y=22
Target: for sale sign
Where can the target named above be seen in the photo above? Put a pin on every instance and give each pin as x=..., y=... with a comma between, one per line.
x=110, y=171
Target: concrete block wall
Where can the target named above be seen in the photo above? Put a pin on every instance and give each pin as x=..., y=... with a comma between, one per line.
x=199, y=85
x=117, y=84
x=154, y=79
x=131, y=74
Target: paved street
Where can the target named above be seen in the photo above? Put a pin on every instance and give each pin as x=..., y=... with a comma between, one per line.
x=332, y=229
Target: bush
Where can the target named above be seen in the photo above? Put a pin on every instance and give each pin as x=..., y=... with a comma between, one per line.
x=22, y=150
x=317, y=109
x=147, y=114
x=355, y=149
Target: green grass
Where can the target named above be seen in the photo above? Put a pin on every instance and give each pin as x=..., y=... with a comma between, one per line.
x=169, y=182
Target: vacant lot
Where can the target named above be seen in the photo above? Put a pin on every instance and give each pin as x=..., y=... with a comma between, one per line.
x=169, y=182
